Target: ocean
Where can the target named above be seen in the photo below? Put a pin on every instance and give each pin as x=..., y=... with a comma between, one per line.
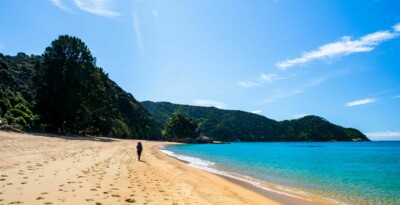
x=340, y=172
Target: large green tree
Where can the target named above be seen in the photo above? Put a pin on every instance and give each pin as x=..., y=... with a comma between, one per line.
x=76, y=96
x=64, y=82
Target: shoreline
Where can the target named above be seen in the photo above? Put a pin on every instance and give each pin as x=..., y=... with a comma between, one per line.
x=276, y=195
x=53, y=169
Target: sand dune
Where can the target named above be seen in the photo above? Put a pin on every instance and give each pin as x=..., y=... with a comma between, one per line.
x=37, y=169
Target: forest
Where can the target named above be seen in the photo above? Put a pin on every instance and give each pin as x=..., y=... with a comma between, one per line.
x=64, y=91
x=235, y=125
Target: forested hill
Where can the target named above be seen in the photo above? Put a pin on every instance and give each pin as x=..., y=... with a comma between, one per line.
x=63, y=91
x=230, y=125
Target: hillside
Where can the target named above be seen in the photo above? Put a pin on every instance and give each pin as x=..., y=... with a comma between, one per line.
x=63, y=91
x=231, y=125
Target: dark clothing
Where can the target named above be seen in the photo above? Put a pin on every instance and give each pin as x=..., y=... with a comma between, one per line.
x=139, y=149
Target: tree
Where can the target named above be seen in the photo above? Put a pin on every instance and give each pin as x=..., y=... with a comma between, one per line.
x=63, y=83
x=76, y=96
x=180, y=127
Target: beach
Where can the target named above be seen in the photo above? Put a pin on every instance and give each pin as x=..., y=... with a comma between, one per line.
x=53, y=169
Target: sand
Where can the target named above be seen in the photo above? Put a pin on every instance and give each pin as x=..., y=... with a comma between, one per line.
x=39, y=169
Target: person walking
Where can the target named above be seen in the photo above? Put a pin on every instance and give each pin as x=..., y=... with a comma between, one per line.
x=139, y=149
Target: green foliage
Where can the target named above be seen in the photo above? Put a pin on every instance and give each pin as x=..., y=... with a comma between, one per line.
x=4, y=120
x=230, y=125
x=64, y=91
x=179, y=127
x=16, y=90
x=76, y=96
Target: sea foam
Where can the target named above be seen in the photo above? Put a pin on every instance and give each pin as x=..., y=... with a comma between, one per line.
x=210, y=167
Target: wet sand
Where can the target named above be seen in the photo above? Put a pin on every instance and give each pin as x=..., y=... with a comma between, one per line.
x=51, y=169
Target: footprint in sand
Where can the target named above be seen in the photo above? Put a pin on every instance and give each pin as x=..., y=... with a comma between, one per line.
x=48, y=203
x=98, y=203
x=89, y=200
x=115, y=195
x=39, y=198
x=17, y=202
x=130, y=200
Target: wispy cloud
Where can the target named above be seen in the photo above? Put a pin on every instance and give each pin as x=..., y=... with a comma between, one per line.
x=138, y=32
x=397, y=27
x=60, y=5
x=248, y=84
x=269, y=77
x=97, y=7
x=388, y=135
x=277, y=97
x=209, y=103
x=261, y=79
x=361, y=102
x=344, y=46
x=256, y=111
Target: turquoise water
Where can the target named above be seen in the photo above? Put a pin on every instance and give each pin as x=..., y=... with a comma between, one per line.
x=346, y=172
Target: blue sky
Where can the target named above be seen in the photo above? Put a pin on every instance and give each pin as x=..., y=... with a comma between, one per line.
x=279, y=58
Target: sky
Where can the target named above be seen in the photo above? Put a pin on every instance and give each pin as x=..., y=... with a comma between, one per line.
x=283, y=59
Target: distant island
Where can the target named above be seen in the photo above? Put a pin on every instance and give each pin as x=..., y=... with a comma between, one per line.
x=63, y=91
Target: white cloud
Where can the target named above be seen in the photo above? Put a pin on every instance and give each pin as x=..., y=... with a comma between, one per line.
x=247, y=84
x=397, y=27
x=345, y=46
x=138, y=32
x=361, y=102
x=261, y=79
x=60, y=5
x=256, y=111
x=209, y=103
x=277, y=97
x=269, y=77
x=388, y=135
x=97, y=7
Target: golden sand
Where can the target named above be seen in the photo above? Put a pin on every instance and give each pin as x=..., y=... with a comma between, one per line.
x=38, y=169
